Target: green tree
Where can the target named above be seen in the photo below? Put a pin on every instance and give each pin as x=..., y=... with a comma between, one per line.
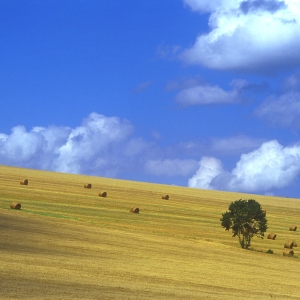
x=246, y=219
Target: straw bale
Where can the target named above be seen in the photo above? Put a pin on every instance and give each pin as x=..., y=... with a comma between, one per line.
x=15, y=205
x=272, y=236
x=289, y=244
x=24, y=182
x=102, y=194
x=293, y=228
x=165, y=197
x=288, y=252
x=135, y=210
x=88, y=186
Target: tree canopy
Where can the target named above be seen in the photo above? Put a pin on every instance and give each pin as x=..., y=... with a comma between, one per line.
x=246, y=219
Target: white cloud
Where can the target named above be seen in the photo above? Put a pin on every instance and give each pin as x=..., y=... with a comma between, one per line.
x=171, y=167
x=31, y=149
x=93, y=144
x=100, y=145
x=210, y=168
x=261, y=35
x=283, y=110
x=201, y=94
x=269, y=167
x=103, y=146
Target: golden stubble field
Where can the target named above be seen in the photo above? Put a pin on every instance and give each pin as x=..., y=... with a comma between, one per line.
x=66, y=242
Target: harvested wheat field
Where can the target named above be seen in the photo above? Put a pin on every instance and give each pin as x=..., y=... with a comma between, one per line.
x=66, y=242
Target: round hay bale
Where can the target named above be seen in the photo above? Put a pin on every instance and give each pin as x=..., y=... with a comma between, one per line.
x=295, y=244
x=272, y=236
x=88, y=186
x=24, y=182
x=15, y=205
x=102, y=194
x=293, y=228
x=288, y=252
x=135, y=210
x=165, y=197
x=289, y=244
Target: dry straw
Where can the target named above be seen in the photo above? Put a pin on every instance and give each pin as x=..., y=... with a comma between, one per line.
x=102, y=194
x=15, y=205
x=24, y=182
x=135, y=210
x=290, y=244
x=288, y=252
x=166, y=197
x=293, y=228
x=88, y=186
x=272, y=236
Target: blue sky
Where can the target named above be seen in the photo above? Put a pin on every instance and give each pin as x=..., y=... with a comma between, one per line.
x=198, y=93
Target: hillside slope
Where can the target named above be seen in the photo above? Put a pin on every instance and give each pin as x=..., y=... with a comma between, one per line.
x=66, y=242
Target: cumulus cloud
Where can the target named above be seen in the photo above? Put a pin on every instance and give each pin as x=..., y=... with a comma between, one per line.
x=171, y=167
x=209, y=169
x=271, y=166
x=36, y=148
x=261, y=35
x=201, y=94
x=281, y=110
x=103, y=146
x=92, y=144
x=100, y=145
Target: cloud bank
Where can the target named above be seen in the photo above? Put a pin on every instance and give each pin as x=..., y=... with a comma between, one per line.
x=269, y=167
x=260, y=35
x=91, y=148
x=103, y=146
x=106, y=146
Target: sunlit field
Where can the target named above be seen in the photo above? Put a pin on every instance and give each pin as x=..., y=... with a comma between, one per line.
x=66, y=242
